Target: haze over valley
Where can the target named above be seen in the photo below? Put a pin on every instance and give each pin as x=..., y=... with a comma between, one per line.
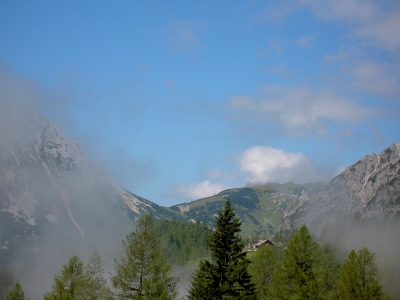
x=109, y=111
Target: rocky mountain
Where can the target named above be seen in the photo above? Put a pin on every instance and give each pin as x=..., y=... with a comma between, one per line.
x=368, y=190
x=50, y=191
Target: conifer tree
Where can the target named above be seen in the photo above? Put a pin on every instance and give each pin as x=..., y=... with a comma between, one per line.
x=77, y=281
x=16, y=293
x=302, y=273
x=95, y=285
x=67, y=284
x=141, y=270
x=226, y=277
x=358, y=277
x=262, y=269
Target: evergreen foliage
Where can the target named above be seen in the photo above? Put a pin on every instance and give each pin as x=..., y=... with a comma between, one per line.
x=226, y=277
x=304, y=272
x=141, y=270
x=16, y=293
x=358, y=277
x=77, y=281
x=95, y=283
x=68, y=283
x=183, y=242
x=262, y=268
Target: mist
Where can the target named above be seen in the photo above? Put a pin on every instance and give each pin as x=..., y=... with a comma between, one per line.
x=380, y=236
x=105, y=134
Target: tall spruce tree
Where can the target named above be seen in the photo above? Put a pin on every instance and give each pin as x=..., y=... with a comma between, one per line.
x=226, y=277
x=358, y=277
x=142, y=271
x=304, y=273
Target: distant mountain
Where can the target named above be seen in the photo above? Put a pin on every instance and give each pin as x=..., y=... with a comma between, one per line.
x=367, y=190
x=50, y=191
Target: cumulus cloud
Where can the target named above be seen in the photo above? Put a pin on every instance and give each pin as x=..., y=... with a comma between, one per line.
x=263, y=165
x=299, y=109
x=194, y=191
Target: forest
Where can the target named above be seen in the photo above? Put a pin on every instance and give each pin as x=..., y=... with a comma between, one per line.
x=295, y=267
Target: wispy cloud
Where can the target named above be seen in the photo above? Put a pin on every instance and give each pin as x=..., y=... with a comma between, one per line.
x=377, y=77
x=183, y=36
x=280, y=69
x=193, y=191
x=304, y=41
x=299, y=109
x=373, y=21
x=263, y=165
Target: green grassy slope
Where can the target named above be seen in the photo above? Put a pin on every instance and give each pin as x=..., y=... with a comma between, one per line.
x=260, y=208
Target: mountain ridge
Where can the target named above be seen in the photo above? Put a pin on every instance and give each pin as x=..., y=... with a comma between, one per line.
x=369, y=189
x=47, y=182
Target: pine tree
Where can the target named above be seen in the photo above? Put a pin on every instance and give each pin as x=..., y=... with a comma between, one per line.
x=16, y=293
x=142, y=271
x=302, y=273
x=358, y=277
x=226, y=277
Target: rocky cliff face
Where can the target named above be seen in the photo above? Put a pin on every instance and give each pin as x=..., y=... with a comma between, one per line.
x=48, y=185
x=367, y=190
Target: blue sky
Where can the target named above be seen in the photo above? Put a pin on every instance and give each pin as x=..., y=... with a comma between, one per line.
x=177, y=100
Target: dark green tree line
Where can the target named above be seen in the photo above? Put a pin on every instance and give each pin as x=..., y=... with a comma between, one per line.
x=183, y=242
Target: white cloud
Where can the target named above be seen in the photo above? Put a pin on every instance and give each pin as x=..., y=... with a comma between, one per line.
x=194, y=191
x=298, y=109
x=263, y=165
